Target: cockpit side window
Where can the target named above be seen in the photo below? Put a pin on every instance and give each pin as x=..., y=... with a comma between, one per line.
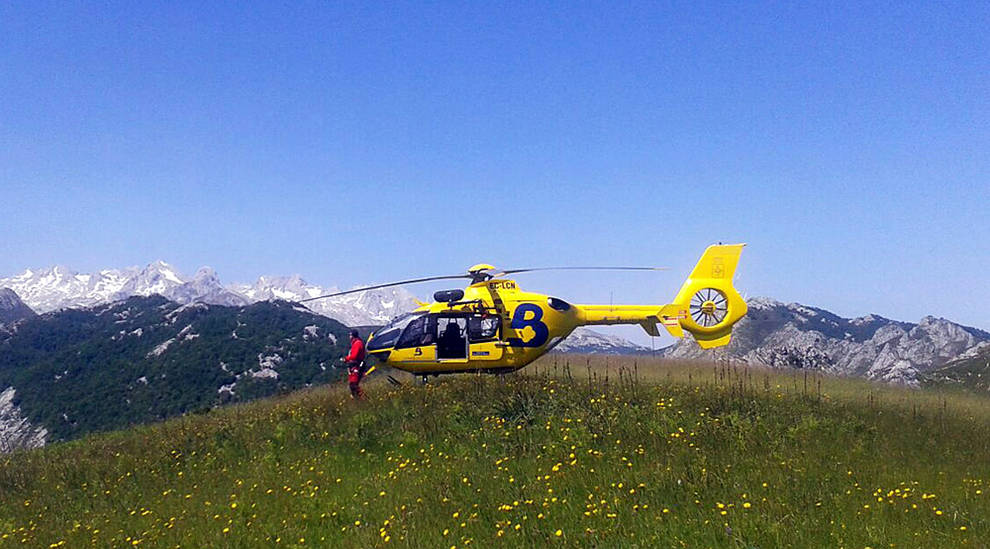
x=418, y=333
x=387, y=335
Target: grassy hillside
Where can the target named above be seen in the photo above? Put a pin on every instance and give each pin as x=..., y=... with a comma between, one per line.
x=574, y=453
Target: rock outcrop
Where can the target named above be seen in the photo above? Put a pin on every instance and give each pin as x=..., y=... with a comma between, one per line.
x=12, y=309
x=798, y=336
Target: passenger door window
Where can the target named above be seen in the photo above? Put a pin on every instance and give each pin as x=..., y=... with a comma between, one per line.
x=451, y=337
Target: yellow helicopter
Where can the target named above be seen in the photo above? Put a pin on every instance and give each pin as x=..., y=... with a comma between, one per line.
x=493, y=326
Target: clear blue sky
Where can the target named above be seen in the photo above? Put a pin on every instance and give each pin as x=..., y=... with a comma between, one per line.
x=355, y=143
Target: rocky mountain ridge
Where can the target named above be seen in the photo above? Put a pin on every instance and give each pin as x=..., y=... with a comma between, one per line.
x=589, y=342
x=798, y=336
x=12, y=309
x=16, y=432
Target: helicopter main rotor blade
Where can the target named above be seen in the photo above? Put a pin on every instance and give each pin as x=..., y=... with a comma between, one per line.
x=475, y=278
x=377, y=286
x=514, y=271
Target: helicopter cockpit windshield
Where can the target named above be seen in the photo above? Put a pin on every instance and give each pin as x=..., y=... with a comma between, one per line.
x=386, y=336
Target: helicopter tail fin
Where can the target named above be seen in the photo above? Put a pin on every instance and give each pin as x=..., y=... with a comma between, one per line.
x=708, y=305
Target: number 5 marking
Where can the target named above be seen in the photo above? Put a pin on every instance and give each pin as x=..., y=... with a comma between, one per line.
x=519, y=322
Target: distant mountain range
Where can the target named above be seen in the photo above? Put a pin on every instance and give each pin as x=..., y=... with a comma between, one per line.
x=773, y=333
x=369, y=308
x=60, y=287
x=589, y=342
x=798, y=336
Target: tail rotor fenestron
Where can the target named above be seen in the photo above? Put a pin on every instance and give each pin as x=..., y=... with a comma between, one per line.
x=709, y=303
x=709, y=307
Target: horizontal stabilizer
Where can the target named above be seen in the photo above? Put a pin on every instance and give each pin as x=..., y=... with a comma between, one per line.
x=671, y=316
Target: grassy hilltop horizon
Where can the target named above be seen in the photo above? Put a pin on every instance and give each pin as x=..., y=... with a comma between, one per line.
x=573, y=452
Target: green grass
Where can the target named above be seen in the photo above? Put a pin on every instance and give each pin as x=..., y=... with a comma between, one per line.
x=575, y=453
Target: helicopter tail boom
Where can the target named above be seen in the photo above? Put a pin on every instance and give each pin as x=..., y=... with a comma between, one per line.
x=706, y=306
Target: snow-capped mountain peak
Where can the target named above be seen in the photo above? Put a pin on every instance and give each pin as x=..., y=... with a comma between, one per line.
x=168, y=272
x=763, y=303
x=372, y=307
x=206, y=275
x=289, y=288
x=157, y=278
x=60, y=287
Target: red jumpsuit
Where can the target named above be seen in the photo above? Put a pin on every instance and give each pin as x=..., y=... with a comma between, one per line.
x=355, y=371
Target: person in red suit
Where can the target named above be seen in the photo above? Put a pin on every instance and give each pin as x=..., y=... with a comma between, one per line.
x=355, y=365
